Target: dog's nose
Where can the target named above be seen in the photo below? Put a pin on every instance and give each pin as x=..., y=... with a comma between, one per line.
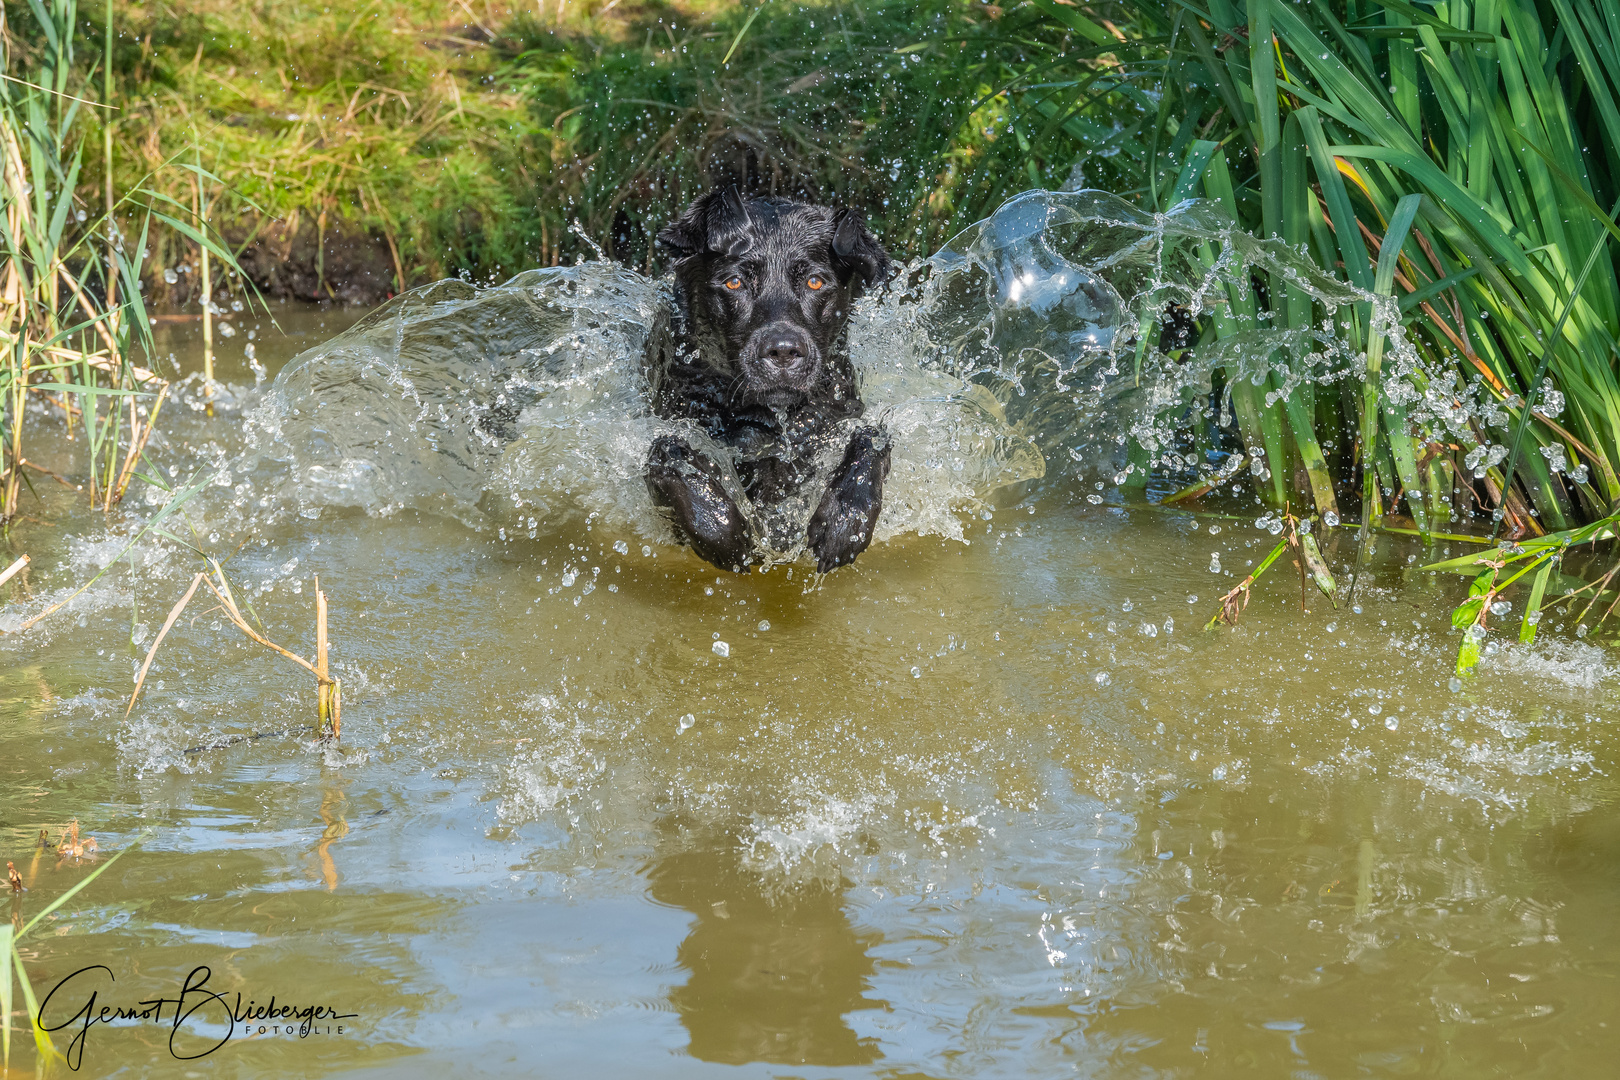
x=784, y=352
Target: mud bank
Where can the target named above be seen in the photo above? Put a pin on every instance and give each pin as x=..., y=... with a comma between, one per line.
x=314, y=261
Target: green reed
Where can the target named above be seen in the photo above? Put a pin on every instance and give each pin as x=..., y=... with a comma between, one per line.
x=71, y=308
x=1457, y=156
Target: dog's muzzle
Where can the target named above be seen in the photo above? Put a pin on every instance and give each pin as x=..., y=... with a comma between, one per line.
x=781, y=357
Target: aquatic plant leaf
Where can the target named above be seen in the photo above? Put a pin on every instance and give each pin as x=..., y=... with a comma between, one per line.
x=5, y=996
x=1472, y=561
x=42, y=1042
x=1470, y=612
x=1532, y=606
x=1466, y=614
x=1468, y=653
x=1318, y=567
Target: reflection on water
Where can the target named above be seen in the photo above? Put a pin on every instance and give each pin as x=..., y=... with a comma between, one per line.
x=771, y=975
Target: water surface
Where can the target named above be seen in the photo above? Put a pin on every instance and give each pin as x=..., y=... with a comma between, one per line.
x=980, y=806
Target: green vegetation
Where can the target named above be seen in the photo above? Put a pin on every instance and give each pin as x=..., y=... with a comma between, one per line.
x=409, y=142
x=1461, y=157
x=71, y=309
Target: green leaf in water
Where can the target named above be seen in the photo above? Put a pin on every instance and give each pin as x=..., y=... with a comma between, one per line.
x=1468, y=655
x=1466, y=614
x=5, y=997
x=1470, y=616
x=1532, y=607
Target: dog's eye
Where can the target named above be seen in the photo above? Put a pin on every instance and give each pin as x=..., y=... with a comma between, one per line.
x=734, y=283
x=815, y=281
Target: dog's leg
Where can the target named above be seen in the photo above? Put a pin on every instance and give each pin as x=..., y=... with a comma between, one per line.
x=842, y=526
x=688, y=484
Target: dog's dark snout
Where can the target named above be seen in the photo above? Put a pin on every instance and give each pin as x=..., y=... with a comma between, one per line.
x=784, y=351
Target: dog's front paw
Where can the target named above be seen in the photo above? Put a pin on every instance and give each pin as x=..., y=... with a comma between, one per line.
x=688, y=484
x=842, y=525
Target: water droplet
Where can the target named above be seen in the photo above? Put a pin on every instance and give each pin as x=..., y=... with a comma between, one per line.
x=1455, y=685
x=1218, y=773
x=721, y=649
x=170, y=276
x=1375, y=708
x=1392, y=722
x=1330, y=519
x=1127, y=605
x=916, y=673
x=621, y=547
x=764, y=625
x=1214, y=563
x=1214, y=530
x=1103, y=678
x=686, y=721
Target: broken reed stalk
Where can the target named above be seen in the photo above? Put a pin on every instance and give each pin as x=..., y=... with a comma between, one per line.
x=139, y=434
x=174, y=613
x=330, y=708
x=13, y=570
x=328, y=689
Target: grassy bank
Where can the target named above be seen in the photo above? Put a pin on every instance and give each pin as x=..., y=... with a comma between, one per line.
x=366, y=149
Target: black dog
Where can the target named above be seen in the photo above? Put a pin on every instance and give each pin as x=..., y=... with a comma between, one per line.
x=763, y=290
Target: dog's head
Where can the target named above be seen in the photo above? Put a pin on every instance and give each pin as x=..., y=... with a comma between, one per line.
x=769, y=283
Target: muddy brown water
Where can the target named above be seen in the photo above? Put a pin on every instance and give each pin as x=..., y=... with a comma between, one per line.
x=994, y=809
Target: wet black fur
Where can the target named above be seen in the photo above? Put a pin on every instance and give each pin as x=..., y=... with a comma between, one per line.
x=763, y=368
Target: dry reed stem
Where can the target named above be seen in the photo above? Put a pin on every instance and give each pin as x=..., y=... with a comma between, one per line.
x=89, y=310
x=58, y=477
x=328, y=692
x=137, y=446
x=140, y=679
x=327, y=688
x=13, y=570
x=233, y=613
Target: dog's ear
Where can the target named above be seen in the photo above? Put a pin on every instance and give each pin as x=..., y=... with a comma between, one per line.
x=718, y=222
x=856, y=251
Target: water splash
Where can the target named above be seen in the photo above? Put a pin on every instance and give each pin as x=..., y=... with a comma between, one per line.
x=1025, y=342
